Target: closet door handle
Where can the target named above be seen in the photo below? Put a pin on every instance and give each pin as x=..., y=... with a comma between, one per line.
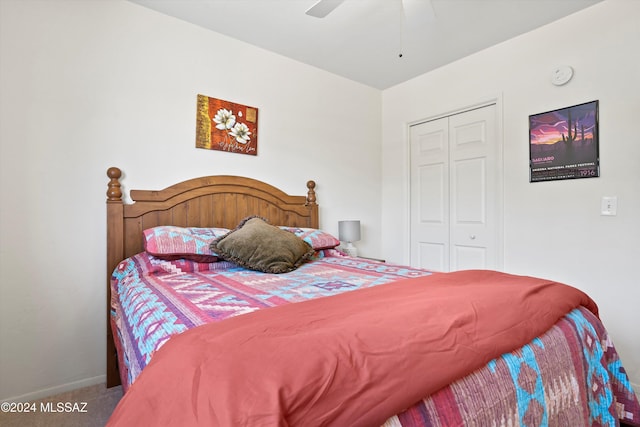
x=472, y=236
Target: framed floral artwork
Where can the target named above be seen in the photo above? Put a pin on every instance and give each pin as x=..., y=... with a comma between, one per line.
x=226, y=126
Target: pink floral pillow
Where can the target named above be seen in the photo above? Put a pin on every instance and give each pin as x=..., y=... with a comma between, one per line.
x=318, y=239
x=170, y=243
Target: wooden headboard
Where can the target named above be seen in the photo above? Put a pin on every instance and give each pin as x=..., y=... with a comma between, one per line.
x=211, y=201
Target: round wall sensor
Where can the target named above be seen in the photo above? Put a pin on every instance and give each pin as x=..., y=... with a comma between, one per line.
x=561, y=75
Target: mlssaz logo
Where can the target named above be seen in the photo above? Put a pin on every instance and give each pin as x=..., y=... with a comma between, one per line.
x=63, y=406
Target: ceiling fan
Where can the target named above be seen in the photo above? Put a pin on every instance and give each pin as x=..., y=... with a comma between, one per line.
x=323, y=7
x=413, y=14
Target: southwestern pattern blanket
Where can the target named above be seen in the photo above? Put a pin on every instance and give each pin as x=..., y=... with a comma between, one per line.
x=536, y=384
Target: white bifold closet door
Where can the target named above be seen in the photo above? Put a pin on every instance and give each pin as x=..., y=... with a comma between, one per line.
x=454, y=192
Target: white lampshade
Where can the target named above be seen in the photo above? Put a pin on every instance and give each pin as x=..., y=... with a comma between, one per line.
x=349, y=231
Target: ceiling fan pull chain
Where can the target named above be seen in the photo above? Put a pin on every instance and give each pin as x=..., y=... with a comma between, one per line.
x=401, y=28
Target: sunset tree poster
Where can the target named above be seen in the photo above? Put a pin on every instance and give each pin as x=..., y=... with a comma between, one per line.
x=563, y=143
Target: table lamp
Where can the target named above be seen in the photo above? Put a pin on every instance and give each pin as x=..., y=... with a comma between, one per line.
x=349, y=232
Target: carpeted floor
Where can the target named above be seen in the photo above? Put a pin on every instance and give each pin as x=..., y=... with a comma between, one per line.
x=85, y=407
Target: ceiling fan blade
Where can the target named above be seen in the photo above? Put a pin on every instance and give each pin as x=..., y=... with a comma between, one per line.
x=323, y=8
x=419, y=10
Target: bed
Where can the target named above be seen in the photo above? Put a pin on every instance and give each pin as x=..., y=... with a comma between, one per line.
x=215, y=335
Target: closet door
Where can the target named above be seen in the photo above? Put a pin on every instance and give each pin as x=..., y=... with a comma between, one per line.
x=429, y=194
x=455, y=182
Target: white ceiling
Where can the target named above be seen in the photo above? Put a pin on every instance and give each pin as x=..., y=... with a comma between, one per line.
x=362, y=39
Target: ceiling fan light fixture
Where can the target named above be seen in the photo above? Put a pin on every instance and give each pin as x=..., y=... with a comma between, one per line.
x=323, y=7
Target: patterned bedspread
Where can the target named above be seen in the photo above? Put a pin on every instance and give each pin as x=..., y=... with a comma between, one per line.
x=569, y=376
x=153, y=299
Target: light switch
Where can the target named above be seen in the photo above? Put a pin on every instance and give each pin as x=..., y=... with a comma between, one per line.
x=609, y=206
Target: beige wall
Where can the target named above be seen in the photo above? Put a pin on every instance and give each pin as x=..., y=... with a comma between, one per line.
x=88, y=85
x=91, y=84
x=551, y=229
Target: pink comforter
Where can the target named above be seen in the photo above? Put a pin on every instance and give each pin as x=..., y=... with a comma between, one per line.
x=348, y=360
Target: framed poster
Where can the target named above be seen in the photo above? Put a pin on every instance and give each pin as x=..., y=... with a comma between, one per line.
x=563, y=143
x=226, y=126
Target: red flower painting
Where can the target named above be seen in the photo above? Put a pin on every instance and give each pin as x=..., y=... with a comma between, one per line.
x=226, y=126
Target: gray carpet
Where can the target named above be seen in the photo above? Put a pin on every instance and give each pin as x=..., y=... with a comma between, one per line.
x=68, y=409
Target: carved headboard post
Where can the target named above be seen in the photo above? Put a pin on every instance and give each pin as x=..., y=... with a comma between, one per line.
x=311, y=203
x=115, y=250
x=311, y=193
x=114, y=194
x=115, y=222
